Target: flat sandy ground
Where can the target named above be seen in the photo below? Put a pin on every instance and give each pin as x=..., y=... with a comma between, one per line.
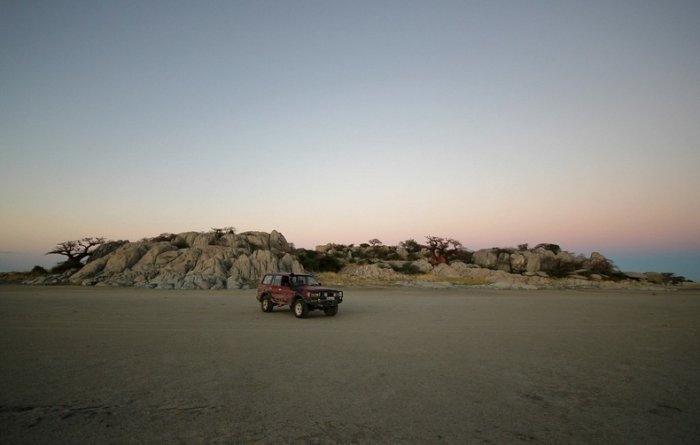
x=122, y=366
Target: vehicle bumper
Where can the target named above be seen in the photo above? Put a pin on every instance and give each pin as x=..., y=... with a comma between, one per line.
x=324, y=301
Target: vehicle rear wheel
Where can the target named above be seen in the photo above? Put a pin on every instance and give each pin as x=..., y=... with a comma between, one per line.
x=266, y=305
x=300, y=308
x=331, y=311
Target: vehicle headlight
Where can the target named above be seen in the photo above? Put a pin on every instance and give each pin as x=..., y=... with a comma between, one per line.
x=314, y=294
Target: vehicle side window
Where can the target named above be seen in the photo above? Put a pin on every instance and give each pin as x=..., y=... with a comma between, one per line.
x=277, y=280
x=267, y=279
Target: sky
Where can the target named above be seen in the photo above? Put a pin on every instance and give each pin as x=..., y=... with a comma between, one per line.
x=496, y=123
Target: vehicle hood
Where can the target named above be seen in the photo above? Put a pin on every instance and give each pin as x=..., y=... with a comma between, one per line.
x=320, y=289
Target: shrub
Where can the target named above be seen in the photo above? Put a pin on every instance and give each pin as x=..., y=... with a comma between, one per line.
x=329, y=263
x=67, y=265
x=307, y=258
x=561, y=269
x=38, y=270
x=411, y=246
x=462, y=255
x=317, y=262
x=548, y=246
x=180, y=243
x=407, y=268
x=393, y=256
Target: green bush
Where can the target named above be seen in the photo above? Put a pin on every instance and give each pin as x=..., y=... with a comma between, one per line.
x=308, y=259
x=329, y=263
x=317, y=262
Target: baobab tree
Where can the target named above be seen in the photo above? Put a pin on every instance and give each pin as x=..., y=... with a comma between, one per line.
x=77, y=250
x=440, y=248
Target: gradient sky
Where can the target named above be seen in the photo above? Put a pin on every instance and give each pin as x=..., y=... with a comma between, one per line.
x=492, y=122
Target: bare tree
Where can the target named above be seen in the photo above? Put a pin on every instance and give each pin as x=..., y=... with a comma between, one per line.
x=77, y=250
x=440, y=248
x=456, y=245
x=228, y=230
x=375, y=242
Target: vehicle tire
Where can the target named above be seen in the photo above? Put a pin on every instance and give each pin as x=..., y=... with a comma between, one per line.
x=266, y=305
x=300, y=308
x=331, y=311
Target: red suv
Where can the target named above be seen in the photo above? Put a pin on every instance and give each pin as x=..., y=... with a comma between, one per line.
x=300, y=291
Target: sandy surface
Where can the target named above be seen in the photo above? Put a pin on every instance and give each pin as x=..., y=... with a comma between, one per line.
x=97, y=365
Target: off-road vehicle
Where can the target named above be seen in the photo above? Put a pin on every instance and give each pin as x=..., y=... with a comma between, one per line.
x=301, y=292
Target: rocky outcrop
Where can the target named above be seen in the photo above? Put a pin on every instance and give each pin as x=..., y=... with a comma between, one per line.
x=191, y=260
x=521, y=266
x=217, y=260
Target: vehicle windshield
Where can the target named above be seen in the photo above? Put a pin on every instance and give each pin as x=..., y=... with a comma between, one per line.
x=304, y=280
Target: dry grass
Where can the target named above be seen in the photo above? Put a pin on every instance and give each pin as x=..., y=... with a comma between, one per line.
x=17, y=277
x=336, y=279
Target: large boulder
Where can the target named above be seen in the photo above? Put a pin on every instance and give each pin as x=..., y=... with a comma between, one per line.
x=105, y=249
x=445, y=270
x=148, y=261
x=422, y=265
x=263, y=261
x=290, y=264
x=168, y=279
x=89, y=270
x=503, y=262
x=205, y=239
x=125, y=257
x=185, y=240
x=211, y=261
x=533, y=262
x=182, y=262
x=548, y=260
x=257, y=240
x=241, y=269
x=203, y=281
x=518, y=263
x=278, y=242
x=486, y=258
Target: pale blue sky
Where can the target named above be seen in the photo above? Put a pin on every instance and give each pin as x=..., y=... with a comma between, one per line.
x=492, y=122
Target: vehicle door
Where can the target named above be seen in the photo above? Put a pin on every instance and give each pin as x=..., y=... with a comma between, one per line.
x=286, y=293
x=280, y=290
x=276, y=288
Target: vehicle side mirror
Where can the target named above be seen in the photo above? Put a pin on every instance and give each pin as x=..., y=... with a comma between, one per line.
x=320, y=284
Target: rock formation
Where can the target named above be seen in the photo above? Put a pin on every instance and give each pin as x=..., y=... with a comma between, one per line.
x=214, y=260
x=190, y=260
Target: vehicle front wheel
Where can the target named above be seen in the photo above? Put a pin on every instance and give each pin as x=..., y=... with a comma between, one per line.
x=266, y=305
x=331, y=311
x=300, y=308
